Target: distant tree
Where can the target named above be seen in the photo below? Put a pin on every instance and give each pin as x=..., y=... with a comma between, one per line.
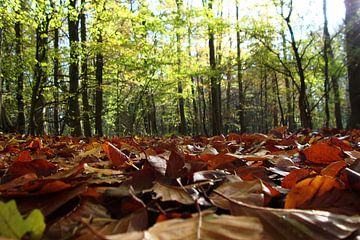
x=20, y=76
x=84, y=72
x=74, y=108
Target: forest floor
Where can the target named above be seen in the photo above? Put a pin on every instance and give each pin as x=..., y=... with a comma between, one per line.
x=282, y=185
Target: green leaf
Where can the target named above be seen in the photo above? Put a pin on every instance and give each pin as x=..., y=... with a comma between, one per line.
x=13, y=225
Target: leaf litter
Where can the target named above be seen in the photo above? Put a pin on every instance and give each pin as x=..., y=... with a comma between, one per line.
x=282, y=185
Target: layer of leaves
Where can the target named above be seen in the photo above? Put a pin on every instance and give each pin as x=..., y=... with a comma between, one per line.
x=276, y=186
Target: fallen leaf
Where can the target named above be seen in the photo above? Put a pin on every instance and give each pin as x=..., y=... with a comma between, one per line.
x=117, y=157
x=208, y=226
x=13, y=225
x=323, y=152
x=251, y=192
x=294, y=224
x=294, y=176
x=333, y=169
x=170, y=193
x=310, y=188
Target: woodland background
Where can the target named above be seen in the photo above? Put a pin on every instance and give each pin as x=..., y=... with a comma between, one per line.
x=140, y=67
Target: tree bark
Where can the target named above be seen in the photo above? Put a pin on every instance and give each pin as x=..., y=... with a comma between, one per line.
x=20, y=80
x=36, y=124
x=56, y=82
x=214, y=82
x=74, y=108
x=326, y=39
x=5, y=123
x=304, y=108
x=239, y=73
x=84, y=74
x=99, y=92
x=353, y=59
x=181, y=100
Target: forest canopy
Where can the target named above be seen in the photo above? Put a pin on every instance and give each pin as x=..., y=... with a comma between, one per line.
x=141, y=67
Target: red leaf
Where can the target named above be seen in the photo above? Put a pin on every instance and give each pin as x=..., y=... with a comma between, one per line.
x=175, y=165
x=323, y=152
x=24, y=156
x=54, y=186
x=40, y=167
x=117, y=157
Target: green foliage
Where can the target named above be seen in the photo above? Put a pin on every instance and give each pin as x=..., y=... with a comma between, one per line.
x=13, y=225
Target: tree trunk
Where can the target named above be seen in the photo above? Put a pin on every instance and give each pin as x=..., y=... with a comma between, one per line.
x=326, y=39
x=304, y=108
x=196, y=122
x=56, y=82
x=74, y=108
x=36, y=124
x=181, y=100
x=20, y=80
x=214, y=82
x=84, y=74
x=353, y=58
x=5, y=123
x=99, y=92
x=202, y=95
x=274, y=101
x=239, y=73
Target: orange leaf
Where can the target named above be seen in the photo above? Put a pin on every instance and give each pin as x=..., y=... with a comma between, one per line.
x=55, y=186
x=309, y=189
x=117, y=157
x=294, y=176
x=333, y=169
x=323, y=152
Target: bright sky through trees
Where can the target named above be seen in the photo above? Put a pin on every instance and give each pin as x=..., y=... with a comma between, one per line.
x=310, y=10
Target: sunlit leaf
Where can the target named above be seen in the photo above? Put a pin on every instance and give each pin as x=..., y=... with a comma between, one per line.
x=296, y=224
x=13, y=225
x=208, y=226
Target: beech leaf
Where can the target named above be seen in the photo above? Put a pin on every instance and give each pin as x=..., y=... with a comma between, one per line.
x=170, y=193
x=208, y=226
x=294, y=224
x=13, y=225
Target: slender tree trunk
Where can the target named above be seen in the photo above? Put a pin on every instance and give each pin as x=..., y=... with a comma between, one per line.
x=153, y=124
x=74, y=108
x=196, y=122
x=5, y=123
x=56, y=72
x=99, y=92
x=56, y=82
x=326, y=39
x=304, y=108
x=214, y=83
x=274, y=101
x=282, y=117
x=20, y=80
x=239, y=73
x=329, y=60
x=228, y=98
x=290, y=116
x=202, y=93
x=353, y=58
x=36, y=124
x=84, y=73
x=181, y=100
